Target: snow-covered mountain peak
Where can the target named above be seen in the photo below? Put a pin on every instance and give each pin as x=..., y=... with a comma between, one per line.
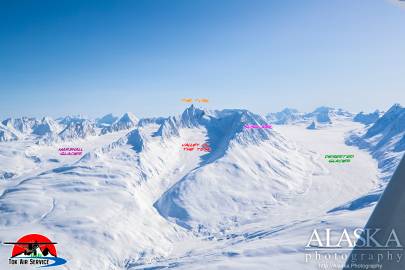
x=135, y=139
x=392, y=122
x=323, y=109
x=151, y=120
x=191, y=117
x=288, y=115
x=106, y=120
x=23, y=124
x=169, y=127
x=230, y=142
x=385, y=139
x=226, y=125
x=367, y=119
x=396, y=107
x=46, y=126
x=247, y=117
x=127, y=121
x=6, y=134
x=78, y=130
x=331, y=112
x=322, y=115
x=128, y=117
x=67, y=120
x=290, y=111
x=250, y=136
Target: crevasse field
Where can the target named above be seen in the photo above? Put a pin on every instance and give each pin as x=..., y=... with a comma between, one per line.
x=136, y=200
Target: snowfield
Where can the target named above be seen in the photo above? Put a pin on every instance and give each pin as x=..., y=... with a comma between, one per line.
x=136, y=200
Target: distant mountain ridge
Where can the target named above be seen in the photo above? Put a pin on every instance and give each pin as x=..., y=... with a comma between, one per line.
x=106, y=120
x=47, y=130
x=127, y=121
x=321, y=115
x=367, y=119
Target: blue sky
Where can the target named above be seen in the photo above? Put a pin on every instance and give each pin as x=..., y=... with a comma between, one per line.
x=94, y=57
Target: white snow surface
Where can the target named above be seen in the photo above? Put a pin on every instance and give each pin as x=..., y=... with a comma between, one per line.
x=137, y=200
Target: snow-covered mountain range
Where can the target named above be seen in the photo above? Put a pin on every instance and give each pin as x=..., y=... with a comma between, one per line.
x=63, y=129
x=367, y=119
x=136, y=199
x=385, y=138
x=321, y=115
